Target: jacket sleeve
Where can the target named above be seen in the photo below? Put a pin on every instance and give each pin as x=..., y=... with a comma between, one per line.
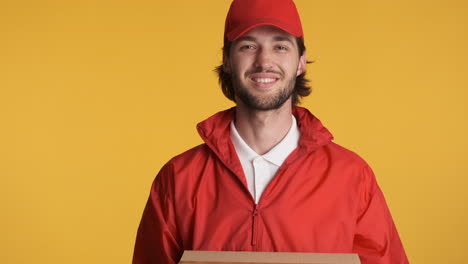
x=376, y=239
x=157, y=237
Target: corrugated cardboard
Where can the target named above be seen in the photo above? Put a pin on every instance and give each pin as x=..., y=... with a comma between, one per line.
x=245, y=257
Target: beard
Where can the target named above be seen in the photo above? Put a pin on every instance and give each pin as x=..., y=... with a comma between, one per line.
x=267, y=103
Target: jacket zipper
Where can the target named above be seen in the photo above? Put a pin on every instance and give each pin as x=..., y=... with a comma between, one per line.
x=254, y=227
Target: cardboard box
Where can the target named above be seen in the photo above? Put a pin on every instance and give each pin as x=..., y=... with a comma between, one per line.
x=246, y=257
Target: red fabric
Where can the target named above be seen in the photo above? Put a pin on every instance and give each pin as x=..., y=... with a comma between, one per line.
x=244, y=15
x=324, y=198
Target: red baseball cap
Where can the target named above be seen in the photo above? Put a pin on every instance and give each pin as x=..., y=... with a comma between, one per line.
x=244, y=15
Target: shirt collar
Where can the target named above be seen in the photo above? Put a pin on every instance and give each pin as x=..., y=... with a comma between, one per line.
x=242, y=149
x=277, y=155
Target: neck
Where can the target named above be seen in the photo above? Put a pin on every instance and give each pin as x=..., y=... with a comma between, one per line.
x=262, y=130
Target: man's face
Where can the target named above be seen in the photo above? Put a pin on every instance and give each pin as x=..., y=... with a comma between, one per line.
x=264, y=64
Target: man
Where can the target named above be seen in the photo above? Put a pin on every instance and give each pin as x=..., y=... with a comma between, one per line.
x=268, y=177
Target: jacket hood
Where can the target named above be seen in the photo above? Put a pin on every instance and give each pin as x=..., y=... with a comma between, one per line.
x=215, y=132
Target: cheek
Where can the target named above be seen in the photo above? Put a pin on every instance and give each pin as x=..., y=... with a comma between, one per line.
x=289, y=64
x=240, y=67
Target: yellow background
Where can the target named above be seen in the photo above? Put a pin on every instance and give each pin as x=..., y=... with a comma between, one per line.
x=95, y=96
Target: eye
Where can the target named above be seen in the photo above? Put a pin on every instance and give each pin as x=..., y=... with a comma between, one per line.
x=282, y=48
x=247, y=47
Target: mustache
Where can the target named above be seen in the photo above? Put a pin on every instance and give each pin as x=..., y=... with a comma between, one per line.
x=263, y=70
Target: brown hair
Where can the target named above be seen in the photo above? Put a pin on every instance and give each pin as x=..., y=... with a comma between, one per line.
x=301, y=88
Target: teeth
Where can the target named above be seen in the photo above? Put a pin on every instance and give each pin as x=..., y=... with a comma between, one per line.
x=265, y=80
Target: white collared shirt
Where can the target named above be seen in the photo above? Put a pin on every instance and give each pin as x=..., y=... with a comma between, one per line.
x=259, y=170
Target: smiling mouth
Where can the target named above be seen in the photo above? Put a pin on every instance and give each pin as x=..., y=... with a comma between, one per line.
x=264, y=80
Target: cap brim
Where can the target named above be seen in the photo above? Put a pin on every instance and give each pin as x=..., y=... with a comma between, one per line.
x=234, y=35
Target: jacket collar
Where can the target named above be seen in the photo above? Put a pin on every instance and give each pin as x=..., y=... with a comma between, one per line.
x=313, y=134
x=215, y=131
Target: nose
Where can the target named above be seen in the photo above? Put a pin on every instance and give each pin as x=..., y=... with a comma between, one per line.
x=263, y=59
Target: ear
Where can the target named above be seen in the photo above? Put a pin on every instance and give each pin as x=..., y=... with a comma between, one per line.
x=302, y=64
x=226, y=65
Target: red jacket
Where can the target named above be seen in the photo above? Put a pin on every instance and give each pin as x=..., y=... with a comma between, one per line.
x=324, y=198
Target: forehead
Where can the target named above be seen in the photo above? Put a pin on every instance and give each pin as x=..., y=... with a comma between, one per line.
x=266, y=32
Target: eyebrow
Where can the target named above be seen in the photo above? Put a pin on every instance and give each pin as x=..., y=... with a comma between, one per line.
x=247, y=38
x=281, y=38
